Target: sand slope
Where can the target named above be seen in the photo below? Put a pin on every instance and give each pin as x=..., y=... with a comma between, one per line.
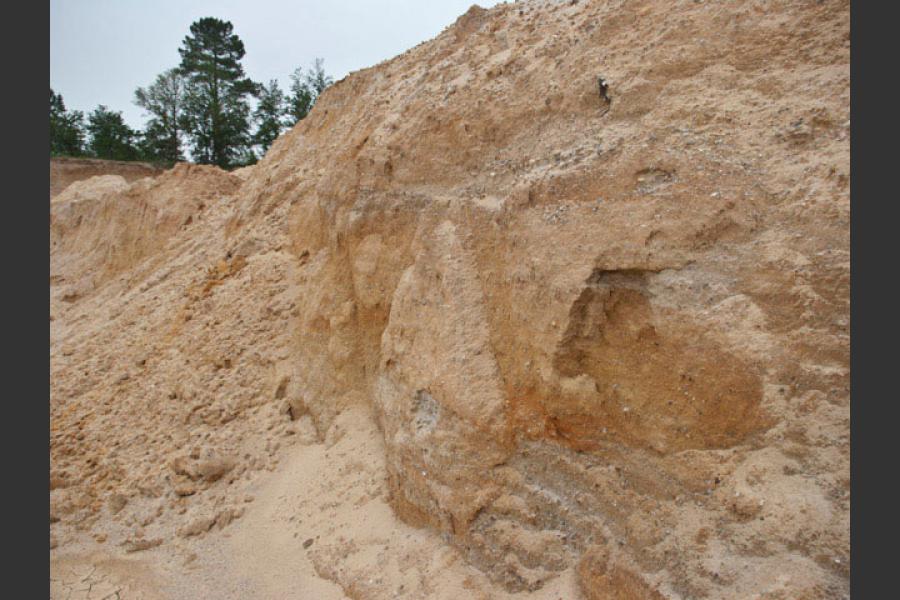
x=553, y=305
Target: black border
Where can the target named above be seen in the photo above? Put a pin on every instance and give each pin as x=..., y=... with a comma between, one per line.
x=872, y=252
x=26, y=416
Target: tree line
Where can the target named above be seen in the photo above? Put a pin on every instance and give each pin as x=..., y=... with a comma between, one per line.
x=203, y=104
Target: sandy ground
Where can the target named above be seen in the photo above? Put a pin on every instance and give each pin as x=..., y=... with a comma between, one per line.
x=284, y=548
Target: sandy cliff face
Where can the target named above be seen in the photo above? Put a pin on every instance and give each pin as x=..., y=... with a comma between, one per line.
x=587, y=263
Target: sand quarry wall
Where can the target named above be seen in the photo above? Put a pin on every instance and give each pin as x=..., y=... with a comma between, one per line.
x=64, y=171
x=587, y=263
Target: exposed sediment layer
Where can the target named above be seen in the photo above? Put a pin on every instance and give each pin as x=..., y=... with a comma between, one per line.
x=587, y=264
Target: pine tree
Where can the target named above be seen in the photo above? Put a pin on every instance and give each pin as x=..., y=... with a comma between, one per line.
x=66, y=128
x=301, y=99
x=216, y=110
x=269, y=115
x=164, y=101
x=316, y=77
x=305, y=90
x=111, y=137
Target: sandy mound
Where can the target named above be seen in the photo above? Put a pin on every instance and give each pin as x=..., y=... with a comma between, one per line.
x=92, y=187
x=65, y=171
x=566, y=287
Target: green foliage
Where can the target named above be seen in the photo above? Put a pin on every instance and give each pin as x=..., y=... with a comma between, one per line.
x=204, y=101
x=66, y=128
x=269, y=115
x=301, y=99
x=305, y=90
x=164, y=101
x=245, y=158
x=216, y=113
x=316, y=77
x=110, y=137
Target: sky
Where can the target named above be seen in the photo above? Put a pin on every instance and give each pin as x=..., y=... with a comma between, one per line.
x=102, y=50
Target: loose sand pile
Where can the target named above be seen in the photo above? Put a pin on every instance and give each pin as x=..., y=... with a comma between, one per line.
x=555, y=305
x=66, y=171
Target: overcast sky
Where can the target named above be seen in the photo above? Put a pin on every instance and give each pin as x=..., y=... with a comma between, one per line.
x=101, y=50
